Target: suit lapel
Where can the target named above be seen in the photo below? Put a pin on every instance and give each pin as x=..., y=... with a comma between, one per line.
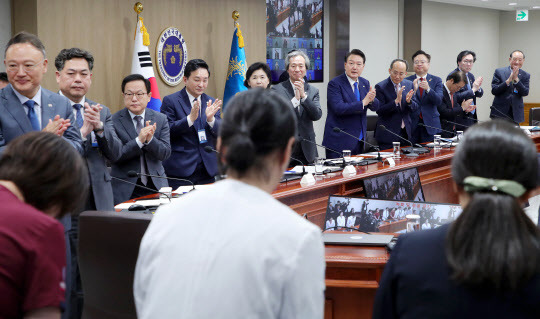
x=47, y=108
x=127, y=122
x=184, y=101
x=288, y=87
x=347, y=85
x=16, y=109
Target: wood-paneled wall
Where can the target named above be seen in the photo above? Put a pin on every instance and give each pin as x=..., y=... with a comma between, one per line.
x=106, y=28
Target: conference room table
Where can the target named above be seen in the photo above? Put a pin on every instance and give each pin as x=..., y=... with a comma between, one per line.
x=353, y=272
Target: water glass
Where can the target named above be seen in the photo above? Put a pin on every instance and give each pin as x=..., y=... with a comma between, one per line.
x=319, y=165
x=396, y=153
x=436, y=142
x=459, y=136
x=347, y=155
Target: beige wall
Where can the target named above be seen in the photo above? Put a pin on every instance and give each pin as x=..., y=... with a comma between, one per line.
x=106, y=28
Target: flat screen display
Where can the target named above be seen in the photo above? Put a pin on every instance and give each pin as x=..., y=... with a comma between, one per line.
x=400, y=185
x=386, y=216
x=294, y=25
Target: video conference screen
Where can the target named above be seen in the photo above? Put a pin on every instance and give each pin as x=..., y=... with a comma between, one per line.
x=400, y=185
x=294, y=25
x=386, y=216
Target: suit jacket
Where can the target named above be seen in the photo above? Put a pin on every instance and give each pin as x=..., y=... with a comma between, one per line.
x=306, y=113
x=509, y=96
x=187, y=152
x=14, y=121
x=158, y=150
x=417, y=283
x=453, y=113
x=427, y=104
x=391, y=115
x=465, y=94
x=346, y=113
x=109, y=148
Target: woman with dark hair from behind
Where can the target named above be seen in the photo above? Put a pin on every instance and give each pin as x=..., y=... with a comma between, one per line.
x=42, y=177
x=231, y=250
x=486, y=264
x=258, y=75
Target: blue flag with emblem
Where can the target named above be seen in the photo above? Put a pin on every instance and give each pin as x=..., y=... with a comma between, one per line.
x=236, y=73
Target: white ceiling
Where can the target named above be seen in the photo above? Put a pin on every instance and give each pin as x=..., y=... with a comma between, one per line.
x=497, y=4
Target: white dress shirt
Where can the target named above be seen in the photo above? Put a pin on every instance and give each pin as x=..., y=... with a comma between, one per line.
x=134, y=121
x=230, y=251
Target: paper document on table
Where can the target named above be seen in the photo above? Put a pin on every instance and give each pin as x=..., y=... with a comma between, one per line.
x=123, y=206
x=375, y=154
x=185, y=189
x=311, y=169
x=149, y=202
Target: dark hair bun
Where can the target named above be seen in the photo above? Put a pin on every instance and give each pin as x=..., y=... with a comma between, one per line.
x=240, y=152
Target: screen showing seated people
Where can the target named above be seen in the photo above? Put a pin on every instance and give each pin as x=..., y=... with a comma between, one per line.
x=400, y=185
x=385, y=216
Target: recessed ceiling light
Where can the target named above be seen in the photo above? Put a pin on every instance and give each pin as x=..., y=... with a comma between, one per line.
x=536, y=7
x=512, y=4
x=484, y=0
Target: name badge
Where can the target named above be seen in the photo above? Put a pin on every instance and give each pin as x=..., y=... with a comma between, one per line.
x=515, y=90
x=94, y=139
x=202, y=136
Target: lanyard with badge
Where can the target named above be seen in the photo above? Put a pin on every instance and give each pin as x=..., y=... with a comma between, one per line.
x=201, y=132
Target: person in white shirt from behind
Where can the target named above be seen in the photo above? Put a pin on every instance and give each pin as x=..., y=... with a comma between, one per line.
x=251, y=256
x=341, y=220
x=330, y=224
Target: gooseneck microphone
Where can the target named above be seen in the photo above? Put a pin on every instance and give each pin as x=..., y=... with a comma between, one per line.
x=303, y=166
x=210, y=149
x=504, y=115
x=379, y=158
x=143, y=187
x=327, y=148
x=136, y=174
x=412, y=152
x=469, y=118
x=454, y=123
x=433, y=127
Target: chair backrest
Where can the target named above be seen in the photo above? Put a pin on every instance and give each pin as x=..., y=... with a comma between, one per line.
x=534, y=116
x=108, y=250
x=370, y=130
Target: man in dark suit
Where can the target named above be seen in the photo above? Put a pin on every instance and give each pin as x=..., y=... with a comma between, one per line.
x=396, y=102
x=99, y=141
x=349, y=96
x=428, y=93
x=26, y=106
x=144, y=134
x=473, y=86
x=194, y=120
x=510, y=85
x=304, y=100
x=453, y=110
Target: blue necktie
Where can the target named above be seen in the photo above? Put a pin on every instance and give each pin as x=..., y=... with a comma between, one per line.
x=79, y=118
x=32, y=115
x=357, y=94
x=468, y=88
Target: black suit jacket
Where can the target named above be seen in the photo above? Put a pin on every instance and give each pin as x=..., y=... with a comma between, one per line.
x=453, y=113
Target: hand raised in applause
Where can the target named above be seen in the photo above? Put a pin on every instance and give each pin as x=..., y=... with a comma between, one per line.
x=409, y=96
x=57, y=125
x=299, y=90
x=91, y=119
x=212, y=109
x=399, y=94
x=370, y=96
x=194, y=114
x=477, y=83
x=147, y=132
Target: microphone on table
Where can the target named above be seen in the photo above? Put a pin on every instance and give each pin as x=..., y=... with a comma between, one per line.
x=210, y=149
x=504, y=115
x=433, y=127
x=136, y=174
x=327, y=148
x=412, y=152
x=379, y=158
x=454, y=123
x=469, y=118
x=140, y=186
x=303, y=166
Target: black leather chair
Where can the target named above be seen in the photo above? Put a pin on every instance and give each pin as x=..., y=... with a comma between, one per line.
x=108, y=250
x=534, y=116
x=370, y=130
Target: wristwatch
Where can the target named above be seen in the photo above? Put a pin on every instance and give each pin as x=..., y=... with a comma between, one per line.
x=101, y=129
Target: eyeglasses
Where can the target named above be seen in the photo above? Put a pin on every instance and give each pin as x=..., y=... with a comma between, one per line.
x=468, y=61
x=420, y=62
x=27, y=67
x=137, y=95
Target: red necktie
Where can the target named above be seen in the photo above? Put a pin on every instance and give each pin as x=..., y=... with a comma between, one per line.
x=421, y=89
x=452, y=102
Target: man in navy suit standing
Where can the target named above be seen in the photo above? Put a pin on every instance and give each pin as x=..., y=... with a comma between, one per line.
x=26, y=106
x=510, y=85
x=194, y=120
x=473, y=86
x=428, y=93
x=349, y=97
x=396, y=102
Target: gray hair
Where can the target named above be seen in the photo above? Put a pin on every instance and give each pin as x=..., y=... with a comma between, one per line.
x=295, y=53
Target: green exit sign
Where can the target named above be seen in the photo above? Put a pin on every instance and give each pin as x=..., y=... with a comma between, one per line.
x=522, y=15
